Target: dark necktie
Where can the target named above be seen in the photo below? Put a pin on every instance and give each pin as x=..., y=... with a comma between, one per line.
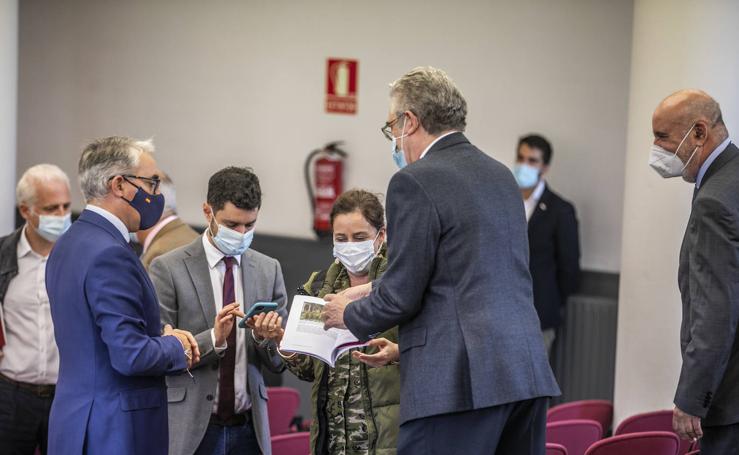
x=228, y=362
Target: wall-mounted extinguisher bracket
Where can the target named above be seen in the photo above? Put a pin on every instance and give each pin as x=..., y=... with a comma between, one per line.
x=324, y=184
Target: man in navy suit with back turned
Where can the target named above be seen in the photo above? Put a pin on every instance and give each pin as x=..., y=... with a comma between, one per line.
x=474, y=374
x=111, y=396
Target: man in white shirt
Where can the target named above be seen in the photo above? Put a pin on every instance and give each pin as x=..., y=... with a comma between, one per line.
x=200, y=287
x=29, y=359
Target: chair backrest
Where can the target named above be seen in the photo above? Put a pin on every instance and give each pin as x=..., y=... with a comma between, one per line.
x=576, y=435
x=282, y=405
x=652, y=421
x=599, y=410
x=647, y=443
x=556, y=449
x=291, y=444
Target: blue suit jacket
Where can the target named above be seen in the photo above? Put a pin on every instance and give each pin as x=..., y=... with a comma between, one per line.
x=458, y=285
x=111, y=396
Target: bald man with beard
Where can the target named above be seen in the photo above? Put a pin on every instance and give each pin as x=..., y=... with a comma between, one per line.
x=691, y=140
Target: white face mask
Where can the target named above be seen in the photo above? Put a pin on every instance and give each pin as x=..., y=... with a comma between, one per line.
x=52, y=227
x=668, y=164
x=355, y=256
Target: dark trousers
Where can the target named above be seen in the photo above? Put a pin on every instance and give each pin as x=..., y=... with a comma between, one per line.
x=723, y=440
x=515, y=428
x=226, y=440
x=24, y=420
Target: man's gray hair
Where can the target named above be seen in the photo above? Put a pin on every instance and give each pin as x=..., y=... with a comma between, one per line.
x=166, y=187
x=432, y=96
x=106, y=158
x=25, y=191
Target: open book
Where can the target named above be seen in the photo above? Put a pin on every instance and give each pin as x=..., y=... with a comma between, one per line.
x=304, y=332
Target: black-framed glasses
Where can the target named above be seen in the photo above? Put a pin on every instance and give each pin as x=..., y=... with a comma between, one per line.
x=387, y=128
x=153, y=182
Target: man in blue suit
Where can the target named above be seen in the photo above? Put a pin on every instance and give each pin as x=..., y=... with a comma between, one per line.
x=474, y=376
x=111, y=395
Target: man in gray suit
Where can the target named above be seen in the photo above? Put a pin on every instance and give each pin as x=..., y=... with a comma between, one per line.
x=201, y=287
x=691, y=140
x=474, y=373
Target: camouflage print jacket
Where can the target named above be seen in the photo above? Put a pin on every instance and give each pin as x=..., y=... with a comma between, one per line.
x=355, y=407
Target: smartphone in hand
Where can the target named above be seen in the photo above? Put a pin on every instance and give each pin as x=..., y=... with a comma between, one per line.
x=257, y=308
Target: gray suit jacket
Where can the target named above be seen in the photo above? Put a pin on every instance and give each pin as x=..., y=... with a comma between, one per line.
x=709, y=287
x=458, y=285
x=182, y=281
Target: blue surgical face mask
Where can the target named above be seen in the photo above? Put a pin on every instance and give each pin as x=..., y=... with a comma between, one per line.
x=52, y=227
x=230, y=242
x=398, y=154
x=149, y=206
x=526, y=176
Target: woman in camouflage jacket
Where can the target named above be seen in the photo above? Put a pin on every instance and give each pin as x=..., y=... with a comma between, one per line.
x=355, y=407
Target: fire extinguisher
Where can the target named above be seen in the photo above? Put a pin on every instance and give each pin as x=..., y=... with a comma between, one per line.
x=326, y=184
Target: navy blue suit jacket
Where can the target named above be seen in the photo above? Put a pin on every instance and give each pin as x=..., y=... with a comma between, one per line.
x=458, y=285
x=111, y=395
x=555, y=256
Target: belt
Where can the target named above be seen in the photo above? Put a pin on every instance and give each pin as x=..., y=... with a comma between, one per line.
x=41, y=391
x=236, y=420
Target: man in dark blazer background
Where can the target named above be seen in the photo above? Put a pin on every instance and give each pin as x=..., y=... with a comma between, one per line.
x=474, y=373
x=691, y=140
x=554, y=245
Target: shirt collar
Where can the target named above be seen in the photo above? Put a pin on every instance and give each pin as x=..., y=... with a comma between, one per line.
x=212, y=254
x=157, y=228
x=435, y=141
x=24, y=247
x=538, y=191
x=114, y=220
x=711, y=158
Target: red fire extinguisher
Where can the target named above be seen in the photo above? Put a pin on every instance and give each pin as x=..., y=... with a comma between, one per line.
x=327, y=183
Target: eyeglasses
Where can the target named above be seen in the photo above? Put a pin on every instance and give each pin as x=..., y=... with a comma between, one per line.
x=153, y=182
x=387, y=128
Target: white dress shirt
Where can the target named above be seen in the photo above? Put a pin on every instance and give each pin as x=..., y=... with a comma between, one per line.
x=711, y=158
x=114, y=220
x=217, y=268
x=533, y=200
x=30, y=354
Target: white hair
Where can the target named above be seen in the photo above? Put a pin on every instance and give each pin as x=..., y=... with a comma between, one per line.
x=106, y=158
x=25, y=191
x=432, y=96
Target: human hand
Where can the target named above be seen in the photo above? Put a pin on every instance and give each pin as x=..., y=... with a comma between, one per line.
x=224, y=322
x=357, y=292
x=685, y=425
x=188, y=342
x=387, y=352
x=267, y=326
x=333, y=312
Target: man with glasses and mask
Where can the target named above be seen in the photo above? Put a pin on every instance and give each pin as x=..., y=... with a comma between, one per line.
x=474, y=373
x=29, y=359
x=202, y=287
x=111, y=395
x=691, y=141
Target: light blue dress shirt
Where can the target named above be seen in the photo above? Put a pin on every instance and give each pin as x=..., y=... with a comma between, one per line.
x=711, y=158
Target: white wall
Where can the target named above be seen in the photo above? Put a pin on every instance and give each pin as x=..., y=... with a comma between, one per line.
x=8, y=110
x=241, y=82
x=677, y=44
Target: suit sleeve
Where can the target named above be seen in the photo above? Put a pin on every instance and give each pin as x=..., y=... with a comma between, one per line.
x=568, y=252
x=115, y=291
x=160, y=273
x=267, y=352
x=714, y=306
x=414, y=230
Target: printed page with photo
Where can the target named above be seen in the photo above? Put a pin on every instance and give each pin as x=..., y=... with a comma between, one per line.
x=304, y=332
